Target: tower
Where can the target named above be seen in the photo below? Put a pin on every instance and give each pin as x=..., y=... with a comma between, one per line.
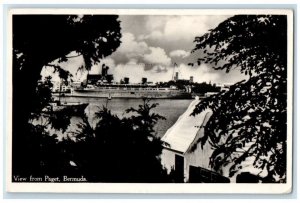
x=176, y=76
x=191, y=79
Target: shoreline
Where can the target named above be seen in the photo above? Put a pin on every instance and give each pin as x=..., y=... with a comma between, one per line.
x=103, y=97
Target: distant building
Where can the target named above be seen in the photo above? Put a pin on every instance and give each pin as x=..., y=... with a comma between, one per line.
x=224, y=86
x=76, y=84
x=188, y=88
x=58, y=87
x=191, y=79
x=176, y=76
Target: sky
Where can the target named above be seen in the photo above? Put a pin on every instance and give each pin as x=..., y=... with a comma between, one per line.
x=152, y=45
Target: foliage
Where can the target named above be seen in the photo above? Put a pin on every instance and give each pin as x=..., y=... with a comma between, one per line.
x=249, y=120
x=54, y=36
x=120, y=149
x=60, y=120
x=37, y=41
x=42, y=97
x=203, y=88
x=145, y=120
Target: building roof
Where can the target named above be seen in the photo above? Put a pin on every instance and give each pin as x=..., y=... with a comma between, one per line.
x=183, y=133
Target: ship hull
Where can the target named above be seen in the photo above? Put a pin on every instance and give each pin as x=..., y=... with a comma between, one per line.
x=131, y=94
x=74, y=109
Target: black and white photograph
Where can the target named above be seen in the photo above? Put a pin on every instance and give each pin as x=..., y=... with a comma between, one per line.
x=141, y=98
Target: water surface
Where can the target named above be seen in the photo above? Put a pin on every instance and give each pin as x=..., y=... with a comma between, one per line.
x=171, y=109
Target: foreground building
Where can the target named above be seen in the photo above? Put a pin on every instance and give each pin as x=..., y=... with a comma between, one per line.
x=189, y=164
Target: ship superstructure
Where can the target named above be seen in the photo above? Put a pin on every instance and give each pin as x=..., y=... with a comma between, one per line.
x=103, y=85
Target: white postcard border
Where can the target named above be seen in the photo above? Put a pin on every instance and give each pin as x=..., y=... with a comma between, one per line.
x=161, y=187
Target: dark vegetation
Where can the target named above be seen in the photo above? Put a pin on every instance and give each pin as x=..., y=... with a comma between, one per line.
x=249, y=120
x=117, y=149
x=37, y=41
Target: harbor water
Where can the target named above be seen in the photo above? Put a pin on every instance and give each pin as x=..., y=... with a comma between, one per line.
x=171, y=109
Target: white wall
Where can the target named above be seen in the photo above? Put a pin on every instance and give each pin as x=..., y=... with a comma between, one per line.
x=200, y=157
x=168, y=159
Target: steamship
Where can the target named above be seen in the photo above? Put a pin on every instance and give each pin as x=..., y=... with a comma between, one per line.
x=130, y=91
x=102, y=86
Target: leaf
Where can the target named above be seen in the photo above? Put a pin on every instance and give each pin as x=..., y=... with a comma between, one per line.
x=256, y=48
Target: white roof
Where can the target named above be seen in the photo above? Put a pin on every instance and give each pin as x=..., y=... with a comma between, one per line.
x=183, y=133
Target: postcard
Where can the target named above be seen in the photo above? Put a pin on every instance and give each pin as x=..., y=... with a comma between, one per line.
x=150, y=100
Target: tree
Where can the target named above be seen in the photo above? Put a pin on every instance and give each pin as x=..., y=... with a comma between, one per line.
x=43, y=94
x=204, y=87
x=37, y=41
x=249, y=120
x=120, y=149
